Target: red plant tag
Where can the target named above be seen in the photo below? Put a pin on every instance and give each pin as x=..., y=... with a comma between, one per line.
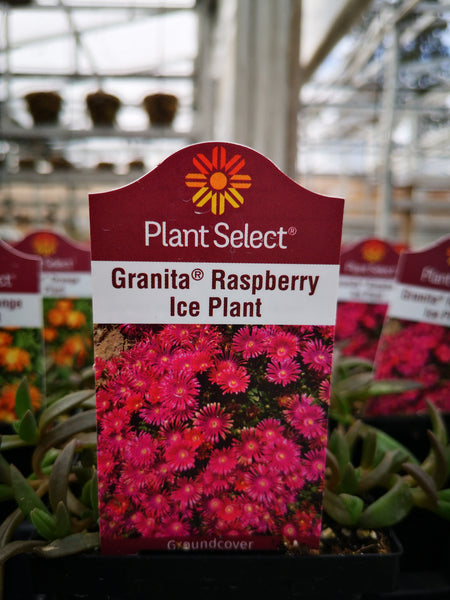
x=21, y=342
x=415, y=341
x=67, y=305
x=365, y=283
x=214, y=291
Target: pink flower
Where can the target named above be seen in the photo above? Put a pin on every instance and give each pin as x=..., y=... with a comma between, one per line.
x=283, y=456
x=282, y=345
x=143, y=523
x=249, y=341
x=307, y=418
x=249, y=447
x=283, y=371
x=233, y=382
x=222, y=461
x=187, y=493
x=213, y=421
x=180, y=457
x=140, y=450
x=317, y=356
x=314, y=463
x=262, y=484
x=270, y=430
x=180, y=390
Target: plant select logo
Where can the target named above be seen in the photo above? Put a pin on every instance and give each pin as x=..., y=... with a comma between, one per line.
x=45, y=244
x=373, y=251
x=218, y=180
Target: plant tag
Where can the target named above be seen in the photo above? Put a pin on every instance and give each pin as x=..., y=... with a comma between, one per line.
x=214, y=295
x=415, y=341
x=21, y=342
x=365, y=284
x=67, y=305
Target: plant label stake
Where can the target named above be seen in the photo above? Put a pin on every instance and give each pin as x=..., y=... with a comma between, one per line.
x=365, y=283
x=67, y=305
x=214, y=294
x=415, y=340
x=21, y=341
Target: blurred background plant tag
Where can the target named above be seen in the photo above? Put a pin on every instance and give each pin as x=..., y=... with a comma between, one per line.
x=21, y=327
x=415, y=341
x=67, y=307
x=365, y=283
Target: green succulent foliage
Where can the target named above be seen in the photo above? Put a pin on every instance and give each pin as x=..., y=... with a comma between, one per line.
x=58, y=493
x=373, y=481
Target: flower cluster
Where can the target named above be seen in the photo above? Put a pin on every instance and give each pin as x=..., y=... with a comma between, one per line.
x=214, y=430
x=416, y=351
x=68, y=336
x=21, y=353
x=358, y=328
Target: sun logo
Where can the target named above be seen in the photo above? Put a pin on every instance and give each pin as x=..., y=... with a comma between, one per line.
x=373, y=251
x=44, y=244
x=218, y=180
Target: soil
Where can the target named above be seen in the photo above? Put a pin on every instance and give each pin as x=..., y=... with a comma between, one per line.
x=347, y=540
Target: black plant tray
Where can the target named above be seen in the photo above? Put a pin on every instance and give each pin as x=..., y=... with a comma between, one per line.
x=214, y=576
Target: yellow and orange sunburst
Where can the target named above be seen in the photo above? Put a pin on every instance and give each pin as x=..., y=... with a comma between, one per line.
x=373, y=251
x=218, y=180
x=44, y=244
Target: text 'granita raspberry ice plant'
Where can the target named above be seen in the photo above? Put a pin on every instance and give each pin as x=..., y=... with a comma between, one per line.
x=213, y=431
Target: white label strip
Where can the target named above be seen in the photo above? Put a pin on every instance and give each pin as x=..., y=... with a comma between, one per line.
x=371, y=290
x=21, y=310
x=421, y=304
x=159, y=292
x=66, y=285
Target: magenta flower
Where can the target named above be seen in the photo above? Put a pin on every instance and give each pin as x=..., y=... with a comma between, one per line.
x=249, y=341
x=283, y=371
x=233, y=381
x=213, y=421
x=282, y=345
x=317, y=356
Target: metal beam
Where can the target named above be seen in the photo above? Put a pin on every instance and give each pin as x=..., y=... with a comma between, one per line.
x=348, y=15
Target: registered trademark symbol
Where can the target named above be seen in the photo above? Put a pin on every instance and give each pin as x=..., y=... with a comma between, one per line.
x=292, y=231
x=197, y=274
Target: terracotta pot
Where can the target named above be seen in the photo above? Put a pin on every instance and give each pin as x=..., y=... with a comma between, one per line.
x=161, y=108
x=60, y=163
x=44, y=107
x=102, y=108
x=136, y=165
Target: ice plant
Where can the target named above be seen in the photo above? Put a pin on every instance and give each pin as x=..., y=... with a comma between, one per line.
x=236, y=421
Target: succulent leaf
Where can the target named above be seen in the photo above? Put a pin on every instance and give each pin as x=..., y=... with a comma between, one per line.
x=339, y=447
x=60, y=433
x=350, y=479
x=425, y=481
x=18, y=547
x=59, y=477
x=63, y=522
x=23, y=399
x=63, y=406
x=72, y=544
x=44, y=522
x=391, y=463
x=368, y=449
x=6, y=492
x=342, y=508
x=390, y=508
x=27, y=428
x=25, y=496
